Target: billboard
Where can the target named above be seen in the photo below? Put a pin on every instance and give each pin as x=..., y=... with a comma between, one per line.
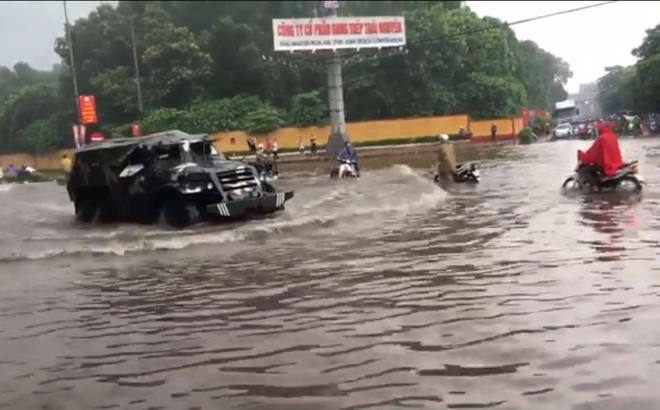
x=87, y=105
x=338, y=33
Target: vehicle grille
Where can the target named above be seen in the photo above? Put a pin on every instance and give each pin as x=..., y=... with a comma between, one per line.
x=237, y=179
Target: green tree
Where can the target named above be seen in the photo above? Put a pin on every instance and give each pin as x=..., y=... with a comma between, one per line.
x=308, y=109
x=542, y=74
x=647, y=88
x=31, y=104
x=41, y=136
x=615, y=89
x=635, y=87
x=176, y=65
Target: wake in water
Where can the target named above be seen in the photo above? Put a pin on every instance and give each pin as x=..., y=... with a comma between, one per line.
x=381, y=197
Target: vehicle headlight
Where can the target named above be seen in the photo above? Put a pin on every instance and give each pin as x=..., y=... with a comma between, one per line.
x=242, y=193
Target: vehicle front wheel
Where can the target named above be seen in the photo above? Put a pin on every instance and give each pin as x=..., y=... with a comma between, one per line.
x=634, y=181
x=179, y=213
x=575, y=183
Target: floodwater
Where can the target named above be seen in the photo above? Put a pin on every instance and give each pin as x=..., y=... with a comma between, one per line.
x=384, y=292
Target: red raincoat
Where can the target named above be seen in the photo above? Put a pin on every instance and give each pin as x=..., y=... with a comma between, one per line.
x=604, y=153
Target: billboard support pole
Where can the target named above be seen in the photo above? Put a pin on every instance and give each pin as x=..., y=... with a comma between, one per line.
x=338, y=134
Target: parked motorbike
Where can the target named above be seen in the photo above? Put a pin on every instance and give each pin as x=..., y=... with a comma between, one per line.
x=586, y=176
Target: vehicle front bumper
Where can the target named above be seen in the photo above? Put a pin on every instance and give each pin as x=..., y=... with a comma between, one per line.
x=267, y=203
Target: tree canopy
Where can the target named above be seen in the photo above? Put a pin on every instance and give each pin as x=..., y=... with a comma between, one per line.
x=210, y=66
x=635, y=87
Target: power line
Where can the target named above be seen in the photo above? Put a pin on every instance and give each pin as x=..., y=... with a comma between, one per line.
x=495, y=27
x=314, y=61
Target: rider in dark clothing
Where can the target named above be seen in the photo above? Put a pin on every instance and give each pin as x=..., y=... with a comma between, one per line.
x=349, y=154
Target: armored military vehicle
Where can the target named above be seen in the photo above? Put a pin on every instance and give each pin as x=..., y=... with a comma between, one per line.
x=177, y=177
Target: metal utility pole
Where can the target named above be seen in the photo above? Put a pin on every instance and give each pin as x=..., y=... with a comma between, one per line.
x=137, y=67
x=73, y=64
x=336, y=103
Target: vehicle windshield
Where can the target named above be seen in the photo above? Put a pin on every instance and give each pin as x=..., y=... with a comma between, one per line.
x=205, y=151
x=167, y=153
x=564, y=126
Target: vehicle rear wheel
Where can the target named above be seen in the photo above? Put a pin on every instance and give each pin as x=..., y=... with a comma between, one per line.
x=178, y=212
x=86, y=208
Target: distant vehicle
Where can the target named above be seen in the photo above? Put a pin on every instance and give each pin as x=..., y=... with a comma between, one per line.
x=178, y=177
x=582, y=131
x=563, y=131
x=654, y=123
x=565, y=111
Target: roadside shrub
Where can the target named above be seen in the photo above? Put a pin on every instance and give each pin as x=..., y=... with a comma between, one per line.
x=538, y=124
x=263, y=120
x=526, y=136
x=308, y=109
x=164, y=119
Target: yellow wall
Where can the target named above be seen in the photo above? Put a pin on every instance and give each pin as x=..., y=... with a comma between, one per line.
x=49, y=161
x=290, y=137
x=357, y=131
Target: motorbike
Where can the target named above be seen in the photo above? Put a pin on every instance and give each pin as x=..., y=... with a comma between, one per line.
x=588, y=176
x=464, y=172
x=346, y=169
x=653, y=126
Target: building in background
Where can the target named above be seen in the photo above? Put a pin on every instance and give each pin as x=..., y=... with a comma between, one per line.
x=586, y=101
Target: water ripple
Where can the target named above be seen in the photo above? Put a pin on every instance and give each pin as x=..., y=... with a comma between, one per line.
x=386, y=292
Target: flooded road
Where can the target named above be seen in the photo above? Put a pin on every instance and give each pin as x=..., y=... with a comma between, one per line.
x=385, y=292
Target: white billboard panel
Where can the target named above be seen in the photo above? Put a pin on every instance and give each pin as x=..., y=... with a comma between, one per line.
x=338, y=33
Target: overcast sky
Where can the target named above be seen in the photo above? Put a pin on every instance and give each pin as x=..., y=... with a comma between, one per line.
x=588, y=40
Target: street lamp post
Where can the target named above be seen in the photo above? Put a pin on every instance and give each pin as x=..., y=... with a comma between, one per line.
x=73, y=64
x=136, y=63
x=137, y=67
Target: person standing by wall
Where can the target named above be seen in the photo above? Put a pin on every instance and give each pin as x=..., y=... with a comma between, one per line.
x=269, y=147
x=275, y=150
x=493, y=132
x=314, y=149
x=67, y=165
x=252, y=145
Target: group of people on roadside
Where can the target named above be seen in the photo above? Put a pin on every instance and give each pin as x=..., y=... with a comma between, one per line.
x=20, y=173
x=270, y=150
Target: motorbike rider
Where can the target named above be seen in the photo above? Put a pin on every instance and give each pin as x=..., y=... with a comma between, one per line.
x=446, y=158
x=349, y=154
x=604, y=155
